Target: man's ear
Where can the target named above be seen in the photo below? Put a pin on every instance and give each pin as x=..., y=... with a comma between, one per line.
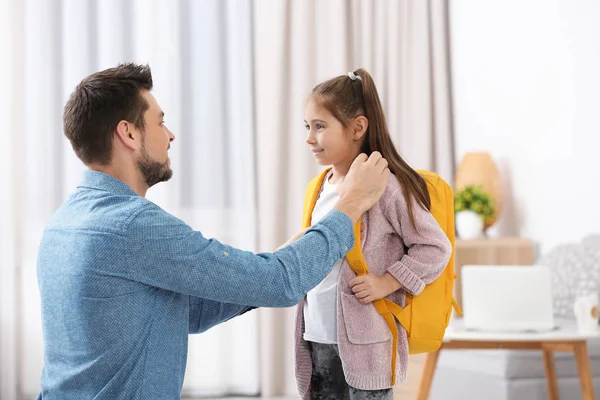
x=127, y=134
x=359, y=127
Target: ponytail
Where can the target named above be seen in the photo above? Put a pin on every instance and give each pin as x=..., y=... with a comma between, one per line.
x=379, y=139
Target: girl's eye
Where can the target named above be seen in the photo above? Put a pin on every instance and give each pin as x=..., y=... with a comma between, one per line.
x=319, y=126
x=307, y=127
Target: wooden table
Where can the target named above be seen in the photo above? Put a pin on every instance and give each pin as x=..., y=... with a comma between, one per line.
x=565, y=338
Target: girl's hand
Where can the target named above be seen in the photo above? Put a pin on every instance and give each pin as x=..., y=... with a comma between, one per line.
x=371, y=287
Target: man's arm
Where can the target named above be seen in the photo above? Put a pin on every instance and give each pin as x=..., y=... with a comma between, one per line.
x=204, y=314
x=164, y=252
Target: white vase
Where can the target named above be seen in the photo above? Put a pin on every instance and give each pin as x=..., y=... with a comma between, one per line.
x=469, y=225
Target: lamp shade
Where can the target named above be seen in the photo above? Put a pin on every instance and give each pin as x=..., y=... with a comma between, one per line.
x=478, y=168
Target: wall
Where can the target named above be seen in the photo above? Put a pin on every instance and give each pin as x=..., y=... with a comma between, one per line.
x=526, y=77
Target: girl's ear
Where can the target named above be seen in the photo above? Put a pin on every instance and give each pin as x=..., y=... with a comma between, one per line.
x=359, y=127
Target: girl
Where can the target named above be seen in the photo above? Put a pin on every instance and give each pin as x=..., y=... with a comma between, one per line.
x=343, y=346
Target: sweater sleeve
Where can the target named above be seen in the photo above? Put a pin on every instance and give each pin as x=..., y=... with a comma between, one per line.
x=428, y=247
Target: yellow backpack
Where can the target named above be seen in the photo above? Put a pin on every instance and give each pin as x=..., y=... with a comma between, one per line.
x=426, y=316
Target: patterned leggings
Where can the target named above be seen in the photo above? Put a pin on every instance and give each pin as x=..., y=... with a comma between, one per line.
x=327, y=380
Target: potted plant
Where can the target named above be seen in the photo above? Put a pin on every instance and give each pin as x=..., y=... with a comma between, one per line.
x=472, y=206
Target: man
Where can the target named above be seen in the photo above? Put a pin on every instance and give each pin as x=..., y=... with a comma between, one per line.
x=123, y=282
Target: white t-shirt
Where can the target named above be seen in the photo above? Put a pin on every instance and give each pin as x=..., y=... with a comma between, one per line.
x=320, y=312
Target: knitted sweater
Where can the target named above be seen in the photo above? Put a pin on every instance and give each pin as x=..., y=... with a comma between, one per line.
x=390, y=244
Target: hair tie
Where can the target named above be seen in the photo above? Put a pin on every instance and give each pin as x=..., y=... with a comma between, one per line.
x=353, y=76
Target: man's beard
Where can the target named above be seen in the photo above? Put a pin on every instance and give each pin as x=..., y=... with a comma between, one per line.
x=153, y=171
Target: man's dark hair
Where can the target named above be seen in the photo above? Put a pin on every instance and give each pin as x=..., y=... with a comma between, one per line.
x=99, y=103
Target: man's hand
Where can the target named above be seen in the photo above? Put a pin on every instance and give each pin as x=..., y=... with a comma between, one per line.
x=368, y=288
x=293, y=238
x=363, y=185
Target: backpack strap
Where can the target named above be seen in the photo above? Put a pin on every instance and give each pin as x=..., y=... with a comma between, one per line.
x=355, y=256
x=456, y=306
x=386, y=308
x=310, y=197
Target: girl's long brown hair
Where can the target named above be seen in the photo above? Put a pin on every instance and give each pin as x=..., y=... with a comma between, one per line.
x=346, y=99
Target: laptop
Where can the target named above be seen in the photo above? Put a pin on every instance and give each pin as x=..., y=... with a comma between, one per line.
x=504, y=298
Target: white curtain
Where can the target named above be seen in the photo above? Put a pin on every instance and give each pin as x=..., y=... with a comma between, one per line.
x=404, y=45
x=9, y=153
x=232, y=77
x=200, y=55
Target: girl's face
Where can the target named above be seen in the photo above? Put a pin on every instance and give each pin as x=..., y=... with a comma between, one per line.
x=329, y=141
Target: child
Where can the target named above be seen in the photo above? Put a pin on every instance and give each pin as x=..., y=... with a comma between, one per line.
x=343, y=346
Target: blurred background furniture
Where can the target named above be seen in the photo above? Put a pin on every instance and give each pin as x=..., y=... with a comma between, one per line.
x=496, y=251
